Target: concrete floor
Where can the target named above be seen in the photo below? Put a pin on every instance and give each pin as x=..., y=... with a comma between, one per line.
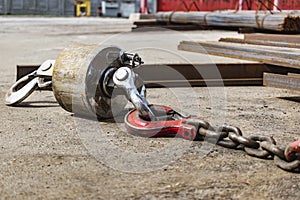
x=47, y=153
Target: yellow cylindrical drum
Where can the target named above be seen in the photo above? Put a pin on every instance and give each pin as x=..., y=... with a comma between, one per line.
x=78, y=80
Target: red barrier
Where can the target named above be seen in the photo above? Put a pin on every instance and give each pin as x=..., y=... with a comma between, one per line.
x=211, y=5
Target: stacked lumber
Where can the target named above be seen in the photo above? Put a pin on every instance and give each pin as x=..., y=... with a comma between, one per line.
x=279, y=21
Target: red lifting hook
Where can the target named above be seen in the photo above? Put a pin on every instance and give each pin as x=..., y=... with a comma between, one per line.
x=168, y=123
x=292, y=151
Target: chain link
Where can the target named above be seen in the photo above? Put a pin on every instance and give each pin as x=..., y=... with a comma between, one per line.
x=258, y=145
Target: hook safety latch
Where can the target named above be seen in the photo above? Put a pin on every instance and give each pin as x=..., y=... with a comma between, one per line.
x=168, y=123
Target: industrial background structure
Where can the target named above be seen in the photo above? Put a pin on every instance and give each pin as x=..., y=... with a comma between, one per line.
x=42, y=7
x=66, y=7
x=125, y=7
x=211, y=5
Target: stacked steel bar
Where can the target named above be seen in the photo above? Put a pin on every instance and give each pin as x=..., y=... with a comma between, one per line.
x=278, y=21
x=282, y=56
x=262, y=42
x=283, y=38
x=277, y=53
x=289, y=81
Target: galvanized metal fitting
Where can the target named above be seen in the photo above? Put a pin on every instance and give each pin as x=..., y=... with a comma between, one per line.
x=124, y=78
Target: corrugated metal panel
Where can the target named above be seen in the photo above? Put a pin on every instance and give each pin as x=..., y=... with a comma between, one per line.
x=255, y=5
x=210, y=5
x=53, y=4
x=94, y=7
x=69, y=8
x=203, y=5
x=2, y=7
x=43, y=7
x=17, y=4
x=289, y=4
x=282, y=4
x=29, y=4
x=66, y=7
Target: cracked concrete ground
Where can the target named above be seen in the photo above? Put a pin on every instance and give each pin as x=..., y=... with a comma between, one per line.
x=44, y=154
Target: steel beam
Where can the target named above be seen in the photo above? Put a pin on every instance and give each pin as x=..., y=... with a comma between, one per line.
x=288, y=57
x=261, y=42
x=273, y=37
x=186, y=75
x=282, y=81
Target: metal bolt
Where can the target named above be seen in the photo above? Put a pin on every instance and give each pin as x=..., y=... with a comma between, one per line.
x=121, y=74
x=46, y=66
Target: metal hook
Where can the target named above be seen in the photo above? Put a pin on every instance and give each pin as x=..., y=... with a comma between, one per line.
x=19, y=91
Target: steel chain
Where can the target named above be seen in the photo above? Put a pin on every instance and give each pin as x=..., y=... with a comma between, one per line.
x=258, y=145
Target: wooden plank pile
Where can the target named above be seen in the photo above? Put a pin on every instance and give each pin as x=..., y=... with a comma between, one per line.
x=276, y=52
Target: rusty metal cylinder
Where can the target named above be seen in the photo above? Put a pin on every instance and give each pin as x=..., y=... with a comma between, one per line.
x=78, y=78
